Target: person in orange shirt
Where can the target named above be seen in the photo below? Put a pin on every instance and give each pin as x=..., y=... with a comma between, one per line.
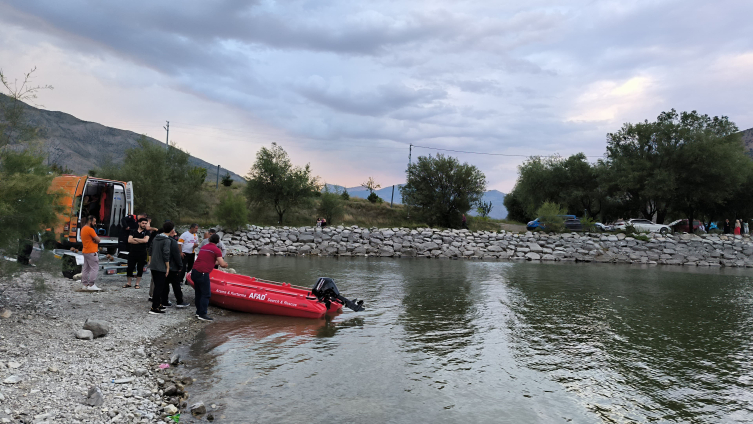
x=90, y=241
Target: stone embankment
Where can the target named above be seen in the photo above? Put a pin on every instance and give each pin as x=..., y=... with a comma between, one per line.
x=685, y=249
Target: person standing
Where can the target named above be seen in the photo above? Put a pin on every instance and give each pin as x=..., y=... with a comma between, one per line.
x=160, y=266
x=209, y=255
x=137, y=252
x=174, y=278
x=90, y=240
x=727, y=229
x=464, y=223
x=737, y=227
x=746, y=229
x=188, y=241
x=220, y=244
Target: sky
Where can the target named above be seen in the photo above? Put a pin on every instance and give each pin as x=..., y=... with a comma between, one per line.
x=348, y=86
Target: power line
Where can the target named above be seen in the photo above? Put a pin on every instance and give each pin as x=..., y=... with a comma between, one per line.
x=489, y=154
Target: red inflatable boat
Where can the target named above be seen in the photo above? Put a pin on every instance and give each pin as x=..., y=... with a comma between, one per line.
x=248, y=294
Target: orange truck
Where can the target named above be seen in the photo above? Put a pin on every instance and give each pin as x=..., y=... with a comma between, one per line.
x=82, y=196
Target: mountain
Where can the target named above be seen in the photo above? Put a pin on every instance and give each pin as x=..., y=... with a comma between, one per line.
x=82, y=145
x=495, y=196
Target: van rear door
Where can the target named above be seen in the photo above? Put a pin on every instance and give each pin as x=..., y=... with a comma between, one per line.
x=129, y=198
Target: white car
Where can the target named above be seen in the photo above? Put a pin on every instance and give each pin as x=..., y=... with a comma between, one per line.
x=644, y=225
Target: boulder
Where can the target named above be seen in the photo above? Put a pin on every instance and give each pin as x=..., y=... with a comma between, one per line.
x=198, y=409
x=94, y=397
x=84, y=334
x=531, y=256
x=98, y=327
x=171, y=410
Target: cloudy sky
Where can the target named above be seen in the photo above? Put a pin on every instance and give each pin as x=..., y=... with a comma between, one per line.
x=348, y=85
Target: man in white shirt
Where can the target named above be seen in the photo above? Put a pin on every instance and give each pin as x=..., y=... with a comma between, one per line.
x=220, y=245
x=188, y=242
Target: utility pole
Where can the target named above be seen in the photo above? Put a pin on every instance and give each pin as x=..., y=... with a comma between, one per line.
x=218, y=178
x=167, y=138
x=410, y=152
x=393, y=195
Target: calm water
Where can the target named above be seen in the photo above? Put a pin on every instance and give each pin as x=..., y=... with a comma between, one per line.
x=481, y=342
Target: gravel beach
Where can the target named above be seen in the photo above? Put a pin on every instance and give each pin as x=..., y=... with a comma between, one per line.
x=49, y=375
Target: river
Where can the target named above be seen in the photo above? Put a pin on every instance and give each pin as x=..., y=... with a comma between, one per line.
x=447, y=341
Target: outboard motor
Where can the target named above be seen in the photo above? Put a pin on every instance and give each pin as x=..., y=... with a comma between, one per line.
x=326, y=291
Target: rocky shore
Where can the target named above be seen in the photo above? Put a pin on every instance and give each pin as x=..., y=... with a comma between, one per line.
x=681, y=249
x=111, y=373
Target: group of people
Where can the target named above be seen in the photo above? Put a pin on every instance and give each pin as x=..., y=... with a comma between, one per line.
x=321, y=222
x=741, y=227
x=169, y=258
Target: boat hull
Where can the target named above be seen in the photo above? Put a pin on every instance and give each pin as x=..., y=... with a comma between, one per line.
x=247, y=294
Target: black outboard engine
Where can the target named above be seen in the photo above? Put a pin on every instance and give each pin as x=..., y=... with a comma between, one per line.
x=326, y=291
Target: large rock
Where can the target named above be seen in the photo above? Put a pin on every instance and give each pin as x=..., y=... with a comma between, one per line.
x=198, y=409
x=171, y=410
x=531, y=256
x=534, y=247
x=84, y=334
x=306, y=238
x=98, y=327
x=95, y=397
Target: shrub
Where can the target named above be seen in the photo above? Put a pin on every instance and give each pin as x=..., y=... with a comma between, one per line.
x=231, y=212
x=227, y=180
x=344, y=195
x=330, y=206
x=373, y=198
x=550, y=214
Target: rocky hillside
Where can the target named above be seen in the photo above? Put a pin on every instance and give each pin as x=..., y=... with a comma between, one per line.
x=748, y=141
x=81, y=145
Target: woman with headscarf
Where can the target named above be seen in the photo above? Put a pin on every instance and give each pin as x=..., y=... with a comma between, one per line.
x=737, y=227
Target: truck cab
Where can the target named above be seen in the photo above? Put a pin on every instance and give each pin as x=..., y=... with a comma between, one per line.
x=81, y=196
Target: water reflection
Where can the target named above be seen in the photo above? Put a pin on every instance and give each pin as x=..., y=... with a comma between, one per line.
x=637, y=344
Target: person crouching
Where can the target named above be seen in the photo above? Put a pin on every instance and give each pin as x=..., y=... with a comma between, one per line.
x=208, y=256
x=160, y=266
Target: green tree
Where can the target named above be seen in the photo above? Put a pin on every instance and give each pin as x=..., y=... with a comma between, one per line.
x=227, y=180
x=442, y=189
x=516, y=211
x=330, y=205
x=372, y=186
x=26, y=208
x=165, y=185
x=484, y=209
x=231, y=212
x=710, y=165
x=345, y=195
x=274, y=181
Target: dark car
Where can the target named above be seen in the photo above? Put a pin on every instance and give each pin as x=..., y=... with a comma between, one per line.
x=573, y=224
x=681, y=225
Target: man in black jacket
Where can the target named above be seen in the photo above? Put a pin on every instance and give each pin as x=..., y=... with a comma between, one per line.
x=174, y=279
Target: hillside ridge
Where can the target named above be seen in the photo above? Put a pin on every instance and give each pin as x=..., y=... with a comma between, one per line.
x=83, y=145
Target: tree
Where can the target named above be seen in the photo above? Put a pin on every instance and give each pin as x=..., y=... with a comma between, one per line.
x=515, y=209
x=165, y=184
x=710, y=164
x=14, y=128
x=231, y=212
x=443, y=189
x=484, y=209
x=344, y=195
x=372, y=186
x=273, y=180
x=330, y=205
x=227, y=180
x=25, y=206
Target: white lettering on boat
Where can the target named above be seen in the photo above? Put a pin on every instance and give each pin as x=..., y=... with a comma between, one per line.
x=257, y=296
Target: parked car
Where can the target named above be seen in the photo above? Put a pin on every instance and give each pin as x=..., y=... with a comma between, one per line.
x=536, y=223
x=573, y=224
x=603, y=227
x=681, y=225
x=643, y=225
